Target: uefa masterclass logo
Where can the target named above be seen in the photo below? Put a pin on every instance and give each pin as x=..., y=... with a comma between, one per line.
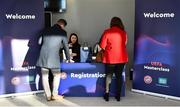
x=148, y=79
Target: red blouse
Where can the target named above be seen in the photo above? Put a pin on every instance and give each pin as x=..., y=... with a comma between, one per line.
x=114, y=41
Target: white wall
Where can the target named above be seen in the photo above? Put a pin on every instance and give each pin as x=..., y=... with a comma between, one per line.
x=89, y=18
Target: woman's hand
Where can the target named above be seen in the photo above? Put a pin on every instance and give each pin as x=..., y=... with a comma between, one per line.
x=74, y=54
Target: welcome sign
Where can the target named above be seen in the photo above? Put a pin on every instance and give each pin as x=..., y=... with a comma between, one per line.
x=156, y=58
x=20, y=24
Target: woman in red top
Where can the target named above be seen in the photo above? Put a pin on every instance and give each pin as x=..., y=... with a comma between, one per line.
x=113, y=42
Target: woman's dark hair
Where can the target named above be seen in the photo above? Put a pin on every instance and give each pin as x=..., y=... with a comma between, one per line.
x=116, y=21
x=73, y=34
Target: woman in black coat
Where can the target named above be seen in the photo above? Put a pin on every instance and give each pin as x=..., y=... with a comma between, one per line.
x=74, y=47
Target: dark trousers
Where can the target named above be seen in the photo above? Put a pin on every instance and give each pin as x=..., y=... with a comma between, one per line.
x=117, y=69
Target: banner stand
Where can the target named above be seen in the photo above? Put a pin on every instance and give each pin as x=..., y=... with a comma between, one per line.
x=20, y=27
x=21, y=94
x=155, y=94
x=156, y=69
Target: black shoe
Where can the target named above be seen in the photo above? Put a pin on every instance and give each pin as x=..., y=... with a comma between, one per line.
x=106, y=96
x=118, y=98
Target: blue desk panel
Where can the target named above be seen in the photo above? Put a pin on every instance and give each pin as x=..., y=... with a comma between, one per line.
x=85, y=79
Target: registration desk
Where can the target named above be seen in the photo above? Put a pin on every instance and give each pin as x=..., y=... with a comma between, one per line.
x=85, y=79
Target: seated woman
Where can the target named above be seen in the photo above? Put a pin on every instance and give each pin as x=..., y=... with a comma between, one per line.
x=74, y=47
